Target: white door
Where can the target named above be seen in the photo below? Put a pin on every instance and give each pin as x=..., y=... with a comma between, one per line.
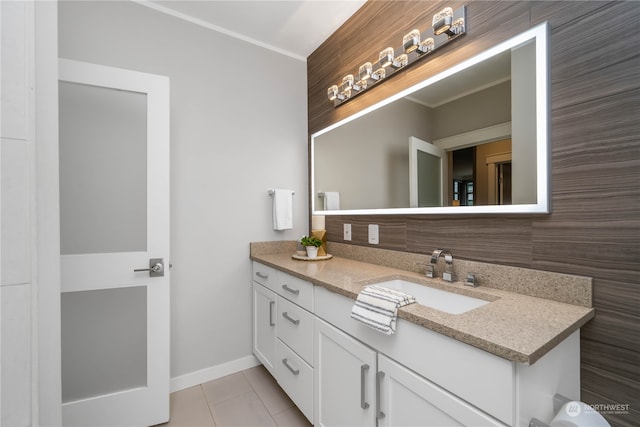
x=427, y=174
x=264, y=326
x=410, y=400
x=114, y=218
x=345, y=377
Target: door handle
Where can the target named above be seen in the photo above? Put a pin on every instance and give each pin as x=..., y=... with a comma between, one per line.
x=290, y=319
x=288, y=289
x=271, y=304
x=156, y=268
x=285, y=362
x=379, y=376
x=363, y=372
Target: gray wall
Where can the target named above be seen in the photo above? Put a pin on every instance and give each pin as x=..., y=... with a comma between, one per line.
x=238, y=127
x=367, y=160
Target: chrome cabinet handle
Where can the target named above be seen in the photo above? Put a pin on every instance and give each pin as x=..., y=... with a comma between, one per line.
x=363, y=372
x=262, y=276
x=156, y=268
x=290, y=319
x=271, y=304
x=293, y=371
x=288, y=289
x=379, y=376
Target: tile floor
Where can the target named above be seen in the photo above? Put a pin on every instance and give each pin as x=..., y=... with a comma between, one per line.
x=248, y=398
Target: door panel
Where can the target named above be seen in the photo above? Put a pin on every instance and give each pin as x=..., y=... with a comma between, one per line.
x=103, y=169
x=344, y=379
x=427, y=174
x=114, y=197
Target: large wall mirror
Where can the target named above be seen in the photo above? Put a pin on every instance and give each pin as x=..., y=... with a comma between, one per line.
x=472, y=139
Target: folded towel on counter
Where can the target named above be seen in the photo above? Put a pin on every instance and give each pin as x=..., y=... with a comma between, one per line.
x=282, y=209
x=377, y=307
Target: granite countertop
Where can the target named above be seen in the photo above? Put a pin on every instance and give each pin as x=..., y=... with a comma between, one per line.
x=516, y=327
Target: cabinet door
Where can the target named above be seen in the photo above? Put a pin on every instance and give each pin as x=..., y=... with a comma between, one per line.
x=408, y=399
x=264, y=326
x=344, y=379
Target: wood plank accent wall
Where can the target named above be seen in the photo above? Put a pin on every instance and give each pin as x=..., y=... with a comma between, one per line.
x=594, y=229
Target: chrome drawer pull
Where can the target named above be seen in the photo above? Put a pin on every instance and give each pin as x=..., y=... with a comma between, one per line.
x=379, y=376
x=293, y=371
x=262, y=276
x=288, y=289
x=271, y=304
x=290, y=319
x=363, y=372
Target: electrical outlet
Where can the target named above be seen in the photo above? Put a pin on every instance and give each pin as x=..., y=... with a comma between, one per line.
x=374, y=236
x=346, y=231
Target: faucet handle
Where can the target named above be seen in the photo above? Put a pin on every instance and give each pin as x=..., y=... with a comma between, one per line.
x=435, y=255
x=471, y=280
x=430, y=271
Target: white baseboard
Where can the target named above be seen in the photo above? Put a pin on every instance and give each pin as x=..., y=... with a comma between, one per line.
x=208, y=374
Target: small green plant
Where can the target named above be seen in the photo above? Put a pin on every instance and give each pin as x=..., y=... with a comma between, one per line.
x=310, y=241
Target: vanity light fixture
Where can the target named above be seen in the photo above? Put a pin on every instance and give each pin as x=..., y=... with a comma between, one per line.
x=364, y=73
x=332, y=92
x=447, y=25
x=427, y=46
x=379, y=74
x=400, y=61
x=385, y=58
x=411, y=41
x=442, y=21
x=347, y=83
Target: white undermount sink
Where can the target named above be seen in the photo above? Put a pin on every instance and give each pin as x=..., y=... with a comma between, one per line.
x=448, y=302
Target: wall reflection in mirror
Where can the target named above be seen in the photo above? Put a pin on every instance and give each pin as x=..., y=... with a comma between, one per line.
x=472, y=139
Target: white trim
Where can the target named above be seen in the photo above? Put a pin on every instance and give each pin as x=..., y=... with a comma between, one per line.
x=218, y=29
x=208, y=374
x=475, y=137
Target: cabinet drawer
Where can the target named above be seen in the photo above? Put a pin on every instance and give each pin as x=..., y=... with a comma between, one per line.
x=295, y=290
x=295, y=377
x=264, y=275
x=295, y=328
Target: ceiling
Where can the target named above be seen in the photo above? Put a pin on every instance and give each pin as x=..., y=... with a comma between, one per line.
x=292, y=27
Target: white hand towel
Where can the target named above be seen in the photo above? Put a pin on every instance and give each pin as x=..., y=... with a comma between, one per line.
x=331, y=200
x=282, y=209
x=377, y=307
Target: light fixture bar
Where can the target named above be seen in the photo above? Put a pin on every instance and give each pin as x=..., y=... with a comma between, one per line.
x=447, y=26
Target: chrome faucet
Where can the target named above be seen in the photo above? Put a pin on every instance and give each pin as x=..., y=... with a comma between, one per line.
x=448, y=269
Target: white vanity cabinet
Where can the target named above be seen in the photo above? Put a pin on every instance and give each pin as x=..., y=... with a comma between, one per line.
x=341, y=372
x=283, y=332
x=345, y=379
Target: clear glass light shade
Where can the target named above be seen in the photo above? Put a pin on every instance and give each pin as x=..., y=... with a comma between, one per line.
x=401, y=61
x=365, y=71
x=442, y=21
x=458, y=26
x=332, y=92
x=386, y=57
x=360, y=85
x=427, y=46
x=379, y=74
x=411, y=41
x=347, y=83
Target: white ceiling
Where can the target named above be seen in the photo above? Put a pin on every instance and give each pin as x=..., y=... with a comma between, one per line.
x=292, y=27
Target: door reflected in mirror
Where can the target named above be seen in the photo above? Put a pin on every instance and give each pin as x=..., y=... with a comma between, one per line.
x=472, y=139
